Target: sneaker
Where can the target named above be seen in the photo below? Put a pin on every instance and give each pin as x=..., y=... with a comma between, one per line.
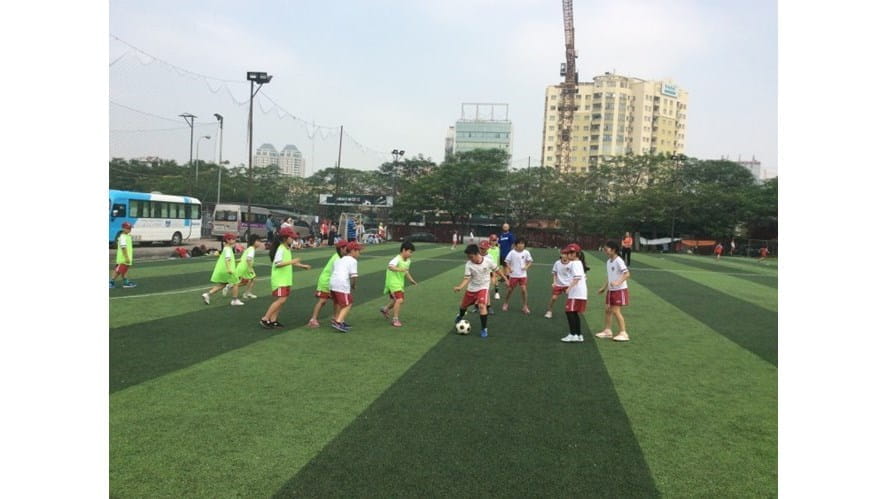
x=111, y=284
x=622, y=336
x=547, y=315
x=458, y=318
x=250, y=296
x=277, y=325
x=579, y=338
x=525, y=310
x=496, y=296
x=384, y=311
x=225, y=290
x=313, y=324
x=606, y=333
x=266, y=324
x=236, y=302
x=483, y=333
x=505, y=307
x=205, y=298
x=570, y=338
x=340, y=326
x=396, y=322
x=129, y=284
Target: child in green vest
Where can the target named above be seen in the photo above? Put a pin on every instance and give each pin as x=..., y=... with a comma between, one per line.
x=246, y=271
x=323, y=285
x=398, y=270
x=124, y=257
x=223, y=273
x=281, y=275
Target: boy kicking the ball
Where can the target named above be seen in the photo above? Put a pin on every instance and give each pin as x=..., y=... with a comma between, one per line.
x=477, y=278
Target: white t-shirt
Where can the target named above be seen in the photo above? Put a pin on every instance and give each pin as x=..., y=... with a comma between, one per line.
x=562, y=273
x=343, y=270
x=615, y=268
x=479, y=273
x=580, y=290
x=516, y=261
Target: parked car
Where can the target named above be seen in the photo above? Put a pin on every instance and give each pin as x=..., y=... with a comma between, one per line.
x=420, y=237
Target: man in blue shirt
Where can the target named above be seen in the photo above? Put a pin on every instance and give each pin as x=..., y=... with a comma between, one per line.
x=506, y=239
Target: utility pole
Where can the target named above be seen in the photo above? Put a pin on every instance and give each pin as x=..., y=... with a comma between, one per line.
x=339, y=161
x=219, y=188
x=189, y=119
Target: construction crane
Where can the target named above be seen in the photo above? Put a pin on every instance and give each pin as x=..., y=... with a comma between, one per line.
x=569, y=87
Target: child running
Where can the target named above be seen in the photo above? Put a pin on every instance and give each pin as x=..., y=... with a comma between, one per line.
x=323, y=285
x=124, y=257
x=517, y=262
x=477, y=277
x=282, y=263
x=577, y=293
x=398, y=269
x=617, y=292
x=560, y=279
x=223, y=273
x=246, y=270
x=494, y=255
x=343, y=281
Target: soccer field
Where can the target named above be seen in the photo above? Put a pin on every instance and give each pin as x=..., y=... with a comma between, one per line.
x=206, y=403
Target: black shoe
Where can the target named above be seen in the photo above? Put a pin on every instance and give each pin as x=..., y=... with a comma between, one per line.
x=276, y=324
x=266, y=324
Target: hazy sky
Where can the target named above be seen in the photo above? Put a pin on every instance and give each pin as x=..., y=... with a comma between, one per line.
x=395, y=73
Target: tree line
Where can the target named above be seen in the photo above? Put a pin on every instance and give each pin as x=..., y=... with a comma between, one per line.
x=656, y=195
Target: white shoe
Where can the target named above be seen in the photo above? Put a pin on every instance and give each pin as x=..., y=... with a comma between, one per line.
x=250, y=296
x=236, y=302
x=547, y=315
x=579, y=338
x=570, y=338
x=496, y=296
x=205, y=298
x=225, y=290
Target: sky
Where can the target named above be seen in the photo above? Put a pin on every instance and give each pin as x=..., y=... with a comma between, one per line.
x=394, y=74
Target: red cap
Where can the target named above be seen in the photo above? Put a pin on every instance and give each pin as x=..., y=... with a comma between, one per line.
x=286, y=232
x=571, y=248
x=341, y=243
x=494, y=237
x=229, y=236
x=126, y=225
x=484, y=245
x=354, y=245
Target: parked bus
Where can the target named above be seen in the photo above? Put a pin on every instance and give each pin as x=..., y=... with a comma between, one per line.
x=155, y=217
x=232, y=218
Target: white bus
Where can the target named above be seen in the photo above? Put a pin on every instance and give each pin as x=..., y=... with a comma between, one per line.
x=232, y=218
x=155, y=217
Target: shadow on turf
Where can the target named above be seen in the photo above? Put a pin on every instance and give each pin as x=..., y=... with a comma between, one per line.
x=707, y=264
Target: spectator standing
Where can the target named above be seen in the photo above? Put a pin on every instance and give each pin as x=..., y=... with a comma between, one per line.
x=269, y=227
x=625, y=251
x=732, y=246
x=332, y=236
x=506, y=239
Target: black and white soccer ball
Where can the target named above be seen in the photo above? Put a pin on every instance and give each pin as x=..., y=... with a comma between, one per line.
x=463, y=327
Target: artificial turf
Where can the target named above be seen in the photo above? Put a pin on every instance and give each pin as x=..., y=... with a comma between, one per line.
x=205, y=403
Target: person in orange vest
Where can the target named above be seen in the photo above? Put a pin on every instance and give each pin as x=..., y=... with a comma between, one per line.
x=763, y=252
x=625, y=252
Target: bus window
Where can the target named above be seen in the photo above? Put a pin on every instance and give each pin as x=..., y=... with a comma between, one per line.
x=134, y=208
x=118, y=210
x=174, y=210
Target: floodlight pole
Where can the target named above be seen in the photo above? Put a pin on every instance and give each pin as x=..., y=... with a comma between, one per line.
x=219, y=188
x=189, y=119
x=261, y=78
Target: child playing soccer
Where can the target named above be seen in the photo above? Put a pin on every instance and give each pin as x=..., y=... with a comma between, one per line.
x=577, y=292
x=343, y=281
x=223, y=273
x=517, y=262
x=281, y=275
x=322, y=293
x=494, y=253
x=763, y=252
x=718, y=250
x=124, y=257
x=616, y=288
x=246, y=271
x=484, y=247
x=560, y=279
x=477, y=278
x=398, y=269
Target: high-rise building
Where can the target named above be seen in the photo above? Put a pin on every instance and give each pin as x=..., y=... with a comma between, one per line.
x=289, y=160
x=615, y=115
x=483, y=126
x=266, y=155
x=449, y=142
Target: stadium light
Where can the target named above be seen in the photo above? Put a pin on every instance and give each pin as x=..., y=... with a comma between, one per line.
x=219, y=188
x=261, y=78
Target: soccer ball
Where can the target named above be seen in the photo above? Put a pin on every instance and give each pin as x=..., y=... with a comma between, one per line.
x=463, y=327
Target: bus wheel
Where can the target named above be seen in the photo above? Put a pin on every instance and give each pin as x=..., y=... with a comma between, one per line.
x=176, y=239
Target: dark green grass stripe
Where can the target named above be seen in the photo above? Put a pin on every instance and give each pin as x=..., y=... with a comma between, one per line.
x=699, y=263
x=748, y=325
x=518, y=414
x=146, y=350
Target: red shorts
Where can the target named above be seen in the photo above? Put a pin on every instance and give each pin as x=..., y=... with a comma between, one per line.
x=618, y=297
x=244, y=281
x=575, y=305
x=121, y=268
x=558, y=290
x=322, y=294
x=281, y=291
x=342, y=299
x=517, y=281
x=397, y=295
x=481, y=297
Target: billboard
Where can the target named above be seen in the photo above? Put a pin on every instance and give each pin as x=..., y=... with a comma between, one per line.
x=356, y=200
x=669, y=90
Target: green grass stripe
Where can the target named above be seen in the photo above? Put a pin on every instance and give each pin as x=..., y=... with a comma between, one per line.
x=746, y=324
x=767, y=267
x=703, y=408
x=763, y=296
x=517, y=414
x=769, y=279
x=240, y=424
x=145, y=350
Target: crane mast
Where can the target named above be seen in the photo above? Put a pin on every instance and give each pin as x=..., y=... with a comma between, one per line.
x=568, y=89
